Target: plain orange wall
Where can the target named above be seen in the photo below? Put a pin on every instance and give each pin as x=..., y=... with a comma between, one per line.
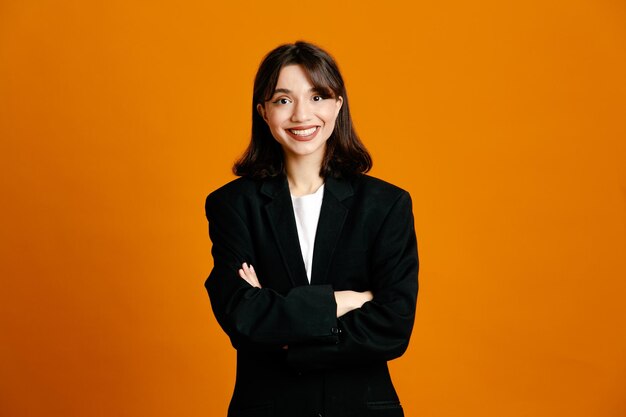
x=505, y=120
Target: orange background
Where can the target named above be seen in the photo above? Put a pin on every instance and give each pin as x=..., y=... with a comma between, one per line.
x=505, y=121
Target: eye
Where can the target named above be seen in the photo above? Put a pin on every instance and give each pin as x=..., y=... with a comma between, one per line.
x=282, y=100
x=318, y=98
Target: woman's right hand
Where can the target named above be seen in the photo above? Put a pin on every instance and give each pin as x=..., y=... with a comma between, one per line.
x=351, y=300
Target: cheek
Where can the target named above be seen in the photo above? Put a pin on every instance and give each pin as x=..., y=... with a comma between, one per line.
x=275, y=123
x=329, y=114
x=273, y=120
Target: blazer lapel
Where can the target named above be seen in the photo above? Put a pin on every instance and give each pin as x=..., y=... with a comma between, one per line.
x=332, y=217
x=283, y=223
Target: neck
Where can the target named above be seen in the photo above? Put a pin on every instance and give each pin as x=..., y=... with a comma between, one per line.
x=303, y=175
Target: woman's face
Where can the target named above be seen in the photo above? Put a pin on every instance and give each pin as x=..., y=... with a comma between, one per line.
x=300, y=118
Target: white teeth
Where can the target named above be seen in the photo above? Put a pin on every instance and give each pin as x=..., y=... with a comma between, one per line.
x=305, y=132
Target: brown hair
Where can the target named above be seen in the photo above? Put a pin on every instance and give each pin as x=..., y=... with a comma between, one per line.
x=345, y=153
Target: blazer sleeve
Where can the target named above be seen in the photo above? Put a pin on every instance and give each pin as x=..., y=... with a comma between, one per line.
x=260, y=318
x=380, y=329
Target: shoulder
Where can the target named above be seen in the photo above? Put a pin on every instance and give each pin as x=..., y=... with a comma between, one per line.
x=245, y=192
x=233, y=193
x=241, y=185
x=376, y=187
x=377, y=192
x=377, y=197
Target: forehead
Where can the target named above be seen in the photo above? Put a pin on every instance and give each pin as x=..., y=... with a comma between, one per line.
x=294, y=76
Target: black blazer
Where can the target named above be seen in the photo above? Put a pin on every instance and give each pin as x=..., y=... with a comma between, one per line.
x=332, y=367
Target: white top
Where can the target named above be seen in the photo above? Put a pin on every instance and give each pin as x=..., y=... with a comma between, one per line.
x=307, y=211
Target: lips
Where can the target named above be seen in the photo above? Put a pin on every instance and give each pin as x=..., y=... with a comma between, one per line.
x=304, y=132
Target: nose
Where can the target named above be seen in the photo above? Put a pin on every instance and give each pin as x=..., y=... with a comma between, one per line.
x=301, y=111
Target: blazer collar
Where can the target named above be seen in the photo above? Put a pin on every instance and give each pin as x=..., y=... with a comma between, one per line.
x=339, y=187
x=282, y=220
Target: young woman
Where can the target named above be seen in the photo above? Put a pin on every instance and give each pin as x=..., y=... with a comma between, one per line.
x=315, y=263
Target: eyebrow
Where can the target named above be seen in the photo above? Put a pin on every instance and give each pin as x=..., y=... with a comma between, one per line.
x=287, y=91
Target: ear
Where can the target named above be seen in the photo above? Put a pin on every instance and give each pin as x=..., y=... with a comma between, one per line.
x=261, y=110
x=338, y=103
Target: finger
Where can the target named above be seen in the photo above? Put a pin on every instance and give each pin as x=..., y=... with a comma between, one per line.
x=252, y=272
x=246, y=270
x=245, y=277
x=252, y=275
x=247, y=273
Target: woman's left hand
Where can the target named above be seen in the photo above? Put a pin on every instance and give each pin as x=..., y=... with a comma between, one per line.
x=249, y=275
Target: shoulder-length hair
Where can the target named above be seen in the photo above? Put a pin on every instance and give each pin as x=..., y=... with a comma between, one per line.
x=345, y=153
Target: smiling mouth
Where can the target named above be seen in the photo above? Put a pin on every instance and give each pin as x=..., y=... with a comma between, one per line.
x=303, y=132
